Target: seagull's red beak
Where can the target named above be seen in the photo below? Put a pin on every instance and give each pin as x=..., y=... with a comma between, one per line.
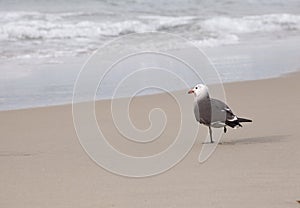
x=190, y=91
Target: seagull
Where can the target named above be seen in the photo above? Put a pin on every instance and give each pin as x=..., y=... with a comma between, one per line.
x=212, y=112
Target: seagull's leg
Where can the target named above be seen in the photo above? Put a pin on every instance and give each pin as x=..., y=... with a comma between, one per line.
x=210, y=134
x=225, y=129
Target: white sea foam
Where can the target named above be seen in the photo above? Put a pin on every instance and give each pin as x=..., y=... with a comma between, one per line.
x=226, y=39
x=165, y=22
x=250, y=24
x=69, y=34
x=33, y=25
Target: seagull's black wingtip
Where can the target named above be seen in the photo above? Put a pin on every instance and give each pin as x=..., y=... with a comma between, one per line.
x=244, y=120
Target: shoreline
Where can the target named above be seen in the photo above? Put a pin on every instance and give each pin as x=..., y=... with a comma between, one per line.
x=100, y=100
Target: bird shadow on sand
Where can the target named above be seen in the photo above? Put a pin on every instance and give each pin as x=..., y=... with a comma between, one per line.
x=256, y=140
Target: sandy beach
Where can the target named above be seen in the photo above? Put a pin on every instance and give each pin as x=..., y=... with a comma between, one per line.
x=44, y=165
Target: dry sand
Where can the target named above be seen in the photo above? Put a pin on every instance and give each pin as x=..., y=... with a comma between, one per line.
x=43, y=164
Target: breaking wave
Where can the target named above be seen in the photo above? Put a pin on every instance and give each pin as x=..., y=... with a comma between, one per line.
x=74, y=33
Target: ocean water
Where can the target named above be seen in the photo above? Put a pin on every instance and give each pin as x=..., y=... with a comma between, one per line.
x=43, y=44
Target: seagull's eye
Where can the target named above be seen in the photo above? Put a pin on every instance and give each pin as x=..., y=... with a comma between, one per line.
x=196, y=88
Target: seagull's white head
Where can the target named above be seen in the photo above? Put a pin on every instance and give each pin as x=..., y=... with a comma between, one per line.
x=199, y=90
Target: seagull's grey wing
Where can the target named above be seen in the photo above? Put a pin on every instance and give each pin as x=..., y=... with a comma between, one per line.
x=221, y=112
x=208, y=111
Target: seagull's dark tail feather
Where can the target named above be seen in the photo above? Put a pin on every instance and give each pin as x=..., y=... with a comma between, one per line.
x=237, y=122
x=244, y=120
